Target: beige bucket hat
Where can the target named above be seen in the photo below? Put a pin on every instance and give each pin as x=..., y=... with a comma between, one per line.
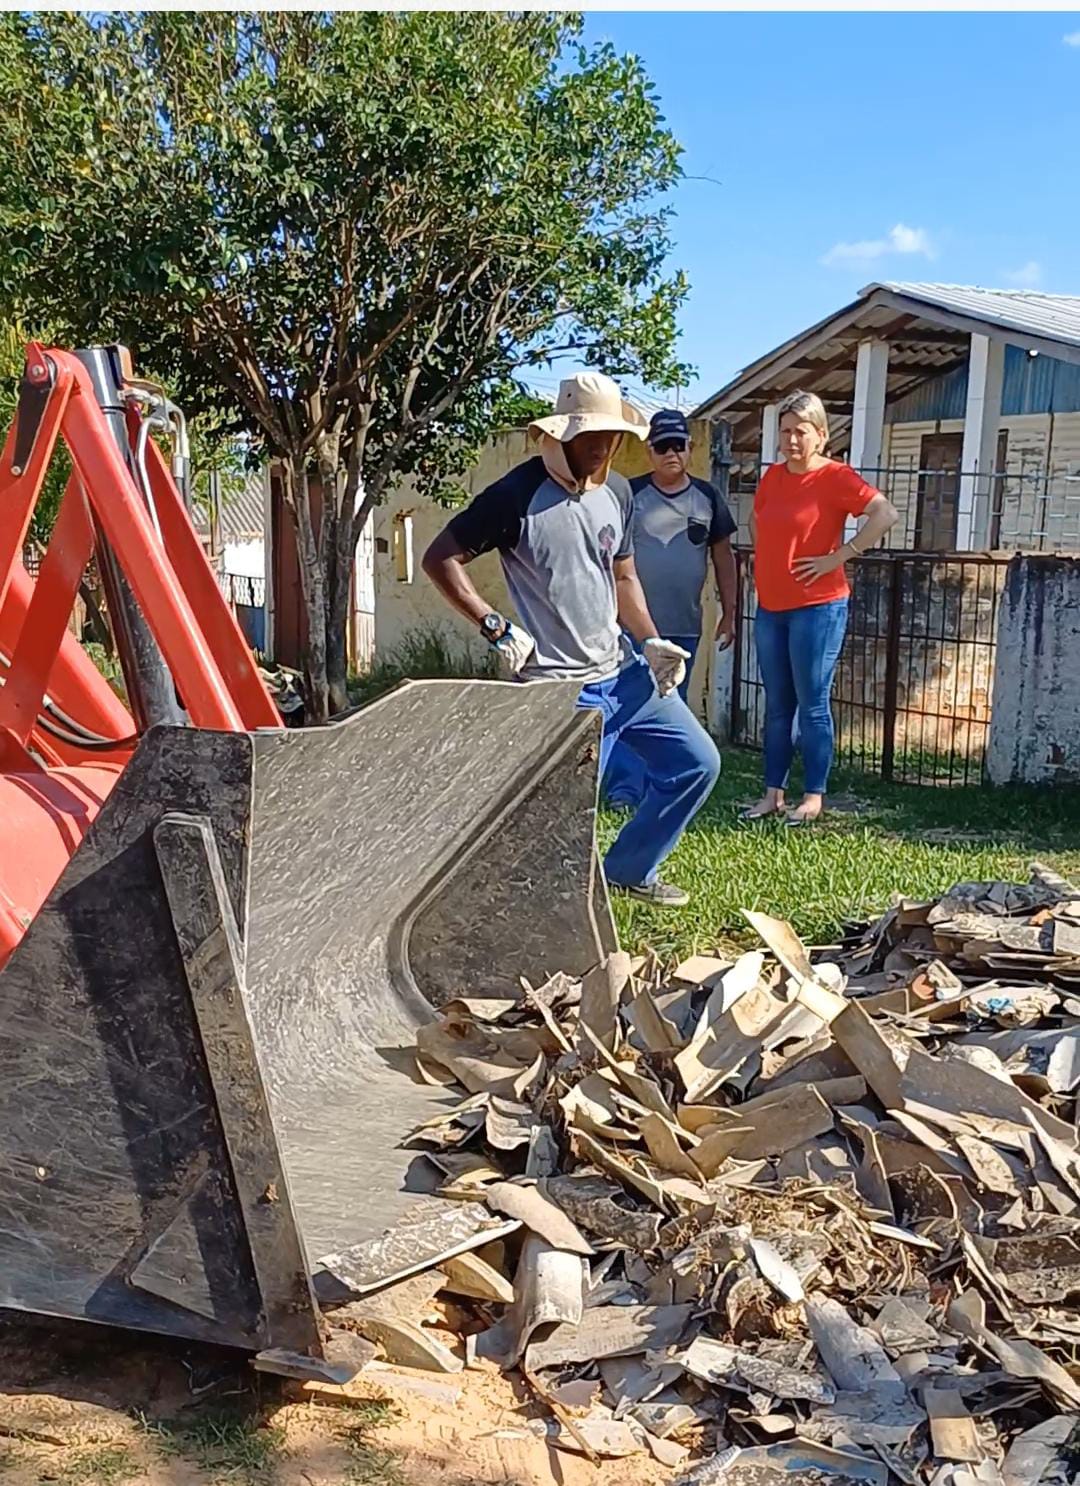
x=589, y=402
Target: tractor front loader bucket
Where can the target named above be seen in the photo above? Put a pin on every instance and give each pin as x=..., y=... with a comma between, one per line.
x=204, y=1070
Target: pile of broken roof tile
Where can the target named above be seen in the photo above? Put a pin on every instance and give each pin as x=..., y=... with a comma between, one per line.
x=803, y=1217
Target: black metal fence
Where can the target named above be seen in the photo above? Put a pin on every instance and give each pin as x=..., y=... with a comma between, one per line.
x=248, y=598
x=244, y=592
x=914, y=687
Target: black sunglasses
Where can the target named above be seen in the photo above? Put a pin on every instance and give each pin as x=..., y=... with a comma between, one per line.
x=666, y=446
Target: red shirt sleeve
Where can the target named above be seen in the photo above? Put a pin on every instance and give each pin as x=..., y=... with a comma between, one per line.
x=848, y=491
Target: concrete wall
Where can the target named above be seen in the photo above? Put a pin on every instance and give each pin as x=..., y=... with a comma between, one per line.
x=409, y=603
x=246, y=558
x=1035, y=729
x=404, y=603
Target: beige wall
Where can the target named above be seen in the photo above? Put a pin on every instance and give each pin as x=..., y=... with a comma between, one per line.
x=402, y=605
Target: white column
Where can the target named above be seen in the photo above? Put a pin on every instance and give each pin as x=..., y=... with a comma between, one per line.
x=982, y=419
x=770, y=433
x=868, y=415
x=868, y=409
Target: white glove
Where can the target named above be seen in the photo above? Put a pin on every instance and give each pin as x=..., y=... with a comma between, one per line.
x=514, y=649
x=667, y=662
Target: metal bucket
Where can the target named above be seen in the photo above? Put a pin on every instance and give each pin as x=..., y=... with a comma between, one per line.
x=205, y=1074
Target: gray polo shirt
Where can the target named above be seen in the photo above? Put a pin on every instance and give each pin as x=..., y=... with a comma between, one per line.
x=672, y=538
x=558, y=553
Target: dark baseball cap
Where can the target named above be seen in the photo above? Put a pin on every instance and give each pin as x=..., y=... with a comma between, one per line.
x=668, y=423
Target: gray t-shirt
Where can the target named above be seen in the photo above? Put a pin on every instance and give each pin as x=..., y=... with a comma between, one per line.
x=672, y=538
x=558, y=552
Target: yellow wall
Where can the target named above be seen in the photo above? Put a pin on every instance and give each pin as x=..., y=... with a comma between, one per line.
x=401, y=606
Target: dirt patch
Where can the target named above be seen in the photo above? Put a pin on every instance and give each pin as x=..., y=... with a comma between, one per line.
x=83, y=1406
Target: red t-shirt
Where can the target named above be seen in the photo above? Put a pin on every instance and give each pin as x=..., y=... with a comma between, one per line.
x=803, y=516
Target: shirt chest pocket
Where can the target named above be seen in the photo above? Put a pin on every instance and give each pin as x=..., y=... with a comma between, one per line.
x=697, y=533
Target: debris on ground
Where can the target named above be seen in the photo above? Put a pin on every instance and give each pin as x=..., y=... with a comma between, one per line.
x=806, y=1215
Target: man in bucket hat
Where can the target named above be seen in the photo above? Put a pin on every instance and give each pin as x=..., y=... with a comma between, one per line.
x=562, y=525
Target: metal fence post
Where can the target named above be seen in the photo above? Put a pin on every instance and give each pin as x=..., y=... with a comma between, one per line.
x=892, y=666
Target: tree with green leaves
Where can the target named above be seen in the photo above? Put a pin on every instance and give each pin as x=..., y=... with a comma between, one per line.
x=350, y=235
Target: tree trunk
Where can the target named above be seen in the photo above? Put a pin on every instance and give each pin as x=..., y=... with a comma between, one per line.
x=313, y=588
x=326, y=555
x=340, y=595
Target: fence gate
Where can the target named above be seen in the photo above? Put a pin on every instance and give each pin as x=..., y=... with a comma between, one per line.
x=914, y=685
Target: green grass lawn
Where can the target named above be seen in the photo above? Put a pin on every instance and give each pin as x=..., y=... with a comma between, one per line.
x=883, y=839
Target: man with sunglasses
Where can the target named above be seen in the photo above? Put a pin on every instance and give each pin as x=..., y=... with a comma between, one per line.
x=680, y=524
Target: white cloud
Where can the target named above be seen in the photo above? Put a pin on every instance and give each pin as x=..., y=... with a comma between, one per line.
x=899, y=239
x=910, y=240
x=1028, y=277
x=1072, y=38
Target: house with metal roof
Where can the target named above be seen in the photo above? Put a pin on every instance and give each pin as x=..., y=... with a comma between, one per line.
x=232, y=525
x=962, y=404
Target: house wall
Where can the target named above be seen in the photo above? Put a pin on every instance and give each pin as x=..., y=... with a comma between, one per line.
x=1035, y=731
x=404, y=604
x=1040, y=406
x=1032, y=384
x=1041, y=412
x=246, y=558
x=1041, y=497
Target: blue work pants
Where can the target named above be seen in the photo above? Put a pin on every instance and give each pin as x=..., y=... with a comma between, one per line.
x=679, y=760
x=623, y=781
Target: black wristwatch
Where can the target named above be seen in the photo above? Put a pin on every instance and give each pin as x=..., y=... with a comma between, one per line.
x=493, y=627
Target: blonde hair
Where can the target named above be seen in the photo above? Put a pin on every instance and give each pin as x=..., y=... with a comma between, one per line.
x=808, y=408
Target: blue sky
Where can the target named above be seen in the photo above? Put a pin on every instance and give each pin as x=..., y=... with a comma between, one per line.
x=856, y=147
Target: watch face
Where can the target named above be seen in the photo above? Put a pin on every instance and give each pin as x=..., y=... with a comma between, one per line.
x=493, y=625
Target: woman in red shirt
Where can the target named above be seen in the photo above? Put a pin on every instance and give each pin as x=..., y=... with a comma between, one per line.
x=800, y=508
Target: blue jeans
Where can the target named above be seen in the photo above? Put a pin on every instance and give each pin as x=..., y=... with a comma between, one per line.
x=623, y=781
x=679, y=758
x=797, y=652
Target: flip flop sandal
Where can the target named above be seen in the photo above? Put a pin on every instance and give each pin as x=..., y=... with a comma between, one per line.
x=749, y=816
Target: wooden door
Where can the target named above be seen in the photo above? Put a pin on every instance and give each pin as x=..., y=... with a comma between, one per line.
x=939, y=490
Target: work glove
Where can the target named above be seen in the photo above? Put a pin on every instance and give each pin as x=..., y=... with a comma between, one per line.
x=667, y=663
x=514, y=649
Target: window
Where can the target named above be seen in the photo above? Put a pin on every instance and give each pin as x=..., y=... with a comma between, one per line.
x=403, y=547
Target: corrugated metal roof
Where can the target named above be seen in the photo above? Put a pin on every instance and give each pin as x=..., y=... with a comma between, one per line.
x=927, y=326
x=1042, y=321
x=1056, y=316
x=241, y=511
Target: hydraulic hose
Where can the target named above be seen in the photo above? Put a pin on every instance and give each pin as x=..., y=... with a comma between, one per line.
x=55, y=721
